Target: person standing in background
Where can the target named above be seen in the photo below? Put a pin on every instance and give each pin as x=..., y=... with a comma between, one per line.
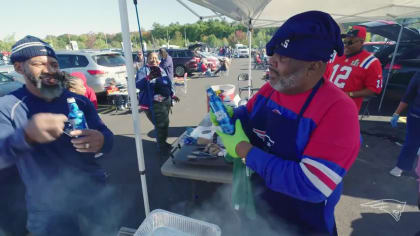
x=90, y=93
x=155, y=97
x=139, y=62
x=408, y=152
x=166, y=63
x=358, y=73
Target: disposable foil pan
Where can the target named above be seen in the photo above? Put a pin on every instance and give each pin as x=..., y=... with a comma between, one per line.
x=160, y=222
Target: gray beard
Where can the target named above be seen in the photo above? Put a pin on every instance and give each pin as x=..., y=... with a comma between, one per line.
x=284, y=82
x=47, y=91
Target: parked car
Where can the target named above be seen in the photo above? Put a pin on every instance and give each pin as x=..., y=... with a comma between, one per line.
x=407, y=58
x=99, y=67
x=8, y=84
x=184, y=61
x=6, y=68
x=373, y=47
x=211, y=59
x=242, y=51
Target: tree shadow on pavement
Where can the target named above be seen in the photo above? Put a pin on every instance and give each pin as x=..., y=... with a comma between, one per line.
x=385, y=225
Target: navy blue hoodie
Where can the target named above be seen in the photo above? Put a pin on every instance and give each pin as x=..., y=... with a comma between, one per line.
x=51, y=170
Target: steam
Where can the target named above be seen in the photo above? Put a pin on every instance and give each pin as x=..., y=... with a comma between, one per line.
x=219, y=210
x=76, y=195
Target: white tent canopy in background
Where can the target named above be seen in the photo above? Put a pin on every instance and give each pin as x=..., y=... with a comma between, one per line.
x=268, y=13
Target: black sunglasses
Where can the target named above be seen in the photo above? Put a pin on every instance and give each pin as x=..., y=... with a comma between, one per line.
x=349, y=42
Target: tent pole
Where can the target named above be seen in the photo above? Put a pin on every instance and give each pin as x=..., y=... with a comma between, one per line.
x=250, y=59
x=133, y=99
x=391, y=65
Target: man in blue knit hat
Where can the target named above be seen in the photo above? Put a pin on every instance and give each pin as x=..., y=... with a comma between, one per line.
x=299, y=133
x=63, y=182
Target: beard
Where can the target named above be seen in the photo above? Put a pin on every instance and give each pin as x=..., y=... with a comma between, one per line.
x=284, y=82
x=48, y=91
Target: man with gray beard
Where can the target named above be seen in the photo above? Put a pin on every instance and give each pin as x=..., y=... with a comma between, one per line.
x=64, y=185
x=299, y=133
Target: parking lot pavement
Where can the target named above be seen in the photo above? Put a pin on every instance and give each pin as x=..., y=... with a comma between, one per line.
x=356, y=214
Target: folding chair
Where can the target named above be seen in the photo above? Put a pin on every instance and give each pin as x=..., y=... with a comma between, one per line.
x=242, y=78
x=366, y=101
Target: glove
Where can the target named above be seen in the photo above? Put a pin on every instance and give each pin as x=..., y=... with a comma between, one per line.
x=230, y=141
x=394, y=120
x=213, y=118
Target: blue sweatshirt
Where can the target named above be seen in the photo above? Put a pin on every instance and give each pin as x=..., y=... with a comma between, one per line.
x=412, y=95
x=168, y=65
x=51, y=170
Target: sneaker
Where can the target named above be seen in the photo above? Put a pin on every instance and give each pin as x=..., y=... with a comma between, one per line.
x=396, y=171
x=120, y=108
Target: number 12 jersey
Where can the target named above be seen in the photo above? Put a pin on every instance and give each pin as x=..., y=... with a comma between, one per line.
x=355, y=73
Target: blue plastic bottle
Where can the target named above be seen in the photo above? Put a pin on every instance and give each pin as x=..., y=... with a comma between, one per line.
x=76, y=117
x=219, y=110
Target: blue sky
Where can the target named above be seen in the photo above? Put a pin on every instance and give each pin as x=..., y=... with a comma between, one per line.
x=42, y=17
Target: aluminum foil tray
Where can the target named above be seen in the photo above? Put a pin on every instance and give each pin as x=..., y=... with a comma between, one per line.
x=164, y=223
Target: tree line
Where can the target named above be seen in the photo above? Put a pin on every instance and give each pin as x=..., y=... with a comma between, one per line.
x=214, y=32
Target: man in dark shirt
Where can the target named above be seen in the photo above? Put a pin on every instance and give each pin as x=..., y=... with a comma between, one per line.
x=64, y=184
x=411, y=145
x=166, y=63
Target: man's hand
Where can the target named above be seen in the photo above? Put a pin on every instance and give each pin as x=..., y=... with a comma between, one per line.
x=89, y=140
x=394, y=120
x=213, y=118
x=44, y=127
x=175, y=98
x=231, y=141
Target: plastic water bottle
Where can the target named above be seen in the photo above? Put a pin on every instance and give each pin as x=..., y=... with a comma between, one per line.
x=219, y=110
x=76, y=117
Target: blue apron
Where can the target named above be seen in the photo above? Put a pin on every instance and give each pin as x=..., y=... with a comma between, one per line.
x=282, y=141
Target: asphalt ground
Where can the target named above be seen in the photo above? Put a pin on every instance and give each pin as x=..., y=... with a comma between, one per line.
x=356, y=213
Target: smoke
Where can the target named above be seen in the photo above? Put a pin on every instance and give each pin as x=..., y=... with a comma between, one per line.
x=218, y=209
x=92, y=204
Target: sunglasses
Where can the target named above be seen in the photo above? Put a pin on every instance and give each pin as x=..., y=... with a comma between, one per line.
x=349, y=42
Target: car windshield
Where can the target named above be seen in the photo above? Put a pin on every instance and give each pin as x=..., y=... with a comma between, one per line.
x=242, y=48
x=5, y=79
x=109, y=60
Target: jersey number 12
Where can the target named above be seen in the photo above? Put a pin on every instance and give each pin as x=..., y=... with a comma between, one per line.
x=339, y=78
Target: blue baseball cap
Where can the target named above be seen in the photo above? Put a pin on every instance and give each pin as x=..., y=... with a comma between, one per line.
x=308, y=36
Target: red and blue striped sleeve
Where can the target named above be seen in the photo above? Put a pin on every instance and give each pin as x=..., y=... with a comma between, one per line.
x=331, y=150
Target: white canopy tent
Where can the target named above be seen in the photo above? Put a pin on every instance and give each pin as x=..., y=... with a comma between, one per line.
x=270, y=13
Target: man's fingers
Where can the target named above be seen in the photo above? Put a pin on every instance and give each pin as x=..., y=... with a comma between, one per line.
x=85, y=132
x=61, y=117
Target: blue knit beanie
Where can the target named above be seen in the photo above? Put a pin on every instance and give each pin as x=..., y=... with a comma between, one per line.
x=308, y=36
x=29, y=47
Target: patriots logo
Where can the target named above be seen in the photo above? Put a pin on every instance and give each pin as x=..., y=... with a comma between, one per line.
x=390, y=206
x=264, y=137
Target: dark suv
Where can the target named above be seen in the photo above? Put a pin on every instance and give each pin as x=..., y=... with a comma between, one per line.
x=184, y=60
x=407, y=58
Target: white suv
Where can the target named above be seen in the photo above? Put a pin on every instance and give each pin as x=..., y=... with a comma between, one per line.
x=99, y=67
x=242, y=51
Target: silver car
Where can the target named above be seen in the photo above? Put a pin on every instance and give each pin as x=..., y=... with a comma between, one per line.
x=99, y=67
